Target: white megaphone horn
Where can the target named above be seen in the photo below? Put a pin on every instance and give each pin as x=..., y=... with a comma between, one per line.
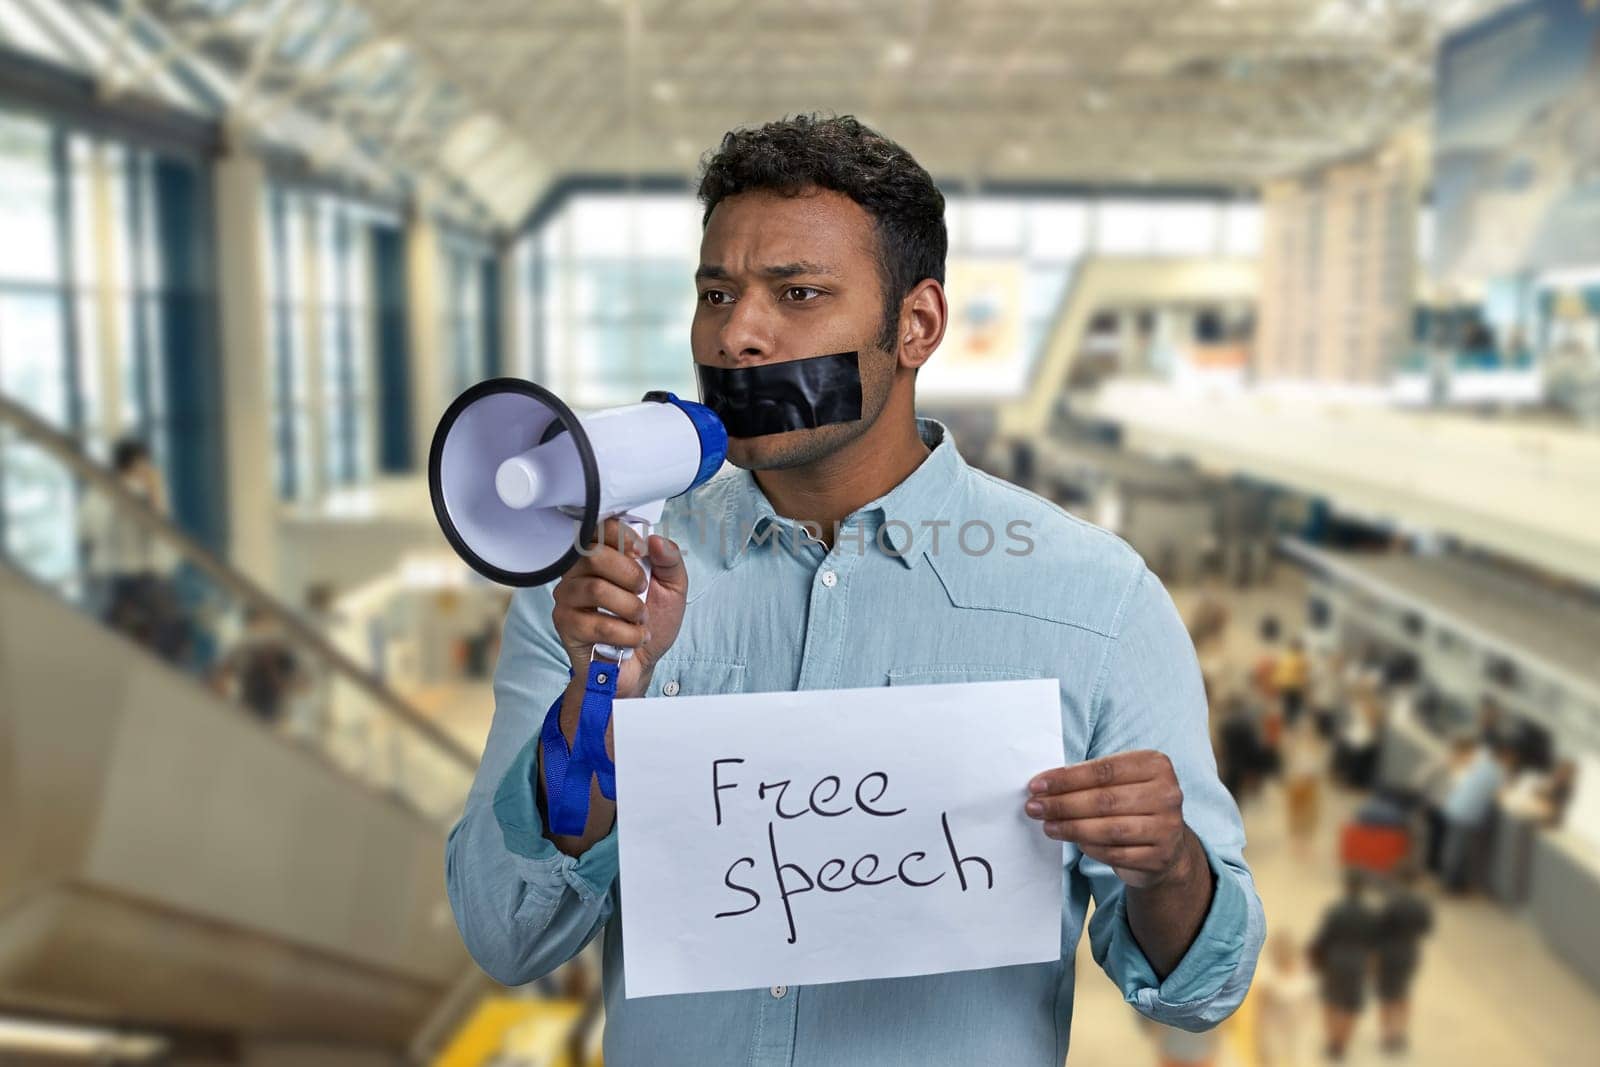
x=521, y=485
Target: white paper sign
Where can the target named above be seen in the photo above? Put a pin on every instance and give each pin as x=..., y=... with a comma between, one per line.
x=834, y=835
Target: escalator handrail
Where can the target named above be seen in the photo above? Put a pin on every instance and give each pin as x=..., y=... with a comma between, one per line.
x=130, y=505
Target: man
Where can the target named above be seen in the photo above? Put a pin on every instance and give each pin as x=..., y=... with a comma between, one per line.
x=1341, y=953
x=130, y=569
x=1468, y=808
x=1290, y=676
x=1402, y=922
x=853, y=554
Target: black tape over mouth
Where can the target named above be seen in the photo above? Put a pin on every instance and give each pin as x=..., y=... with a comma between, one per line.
x=796, y=394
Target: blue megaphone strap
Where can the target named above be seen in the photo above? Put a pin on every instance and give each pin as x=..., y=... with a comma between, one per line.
x=568, y=769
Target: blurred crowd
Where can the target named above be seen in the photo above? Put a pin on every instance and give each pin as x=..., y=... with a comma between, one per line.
x=1300, y=717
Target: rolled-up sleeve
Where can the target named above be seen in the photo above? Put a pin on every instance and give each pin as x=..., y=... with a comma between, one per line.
x=1149, y=695
x=523, y=907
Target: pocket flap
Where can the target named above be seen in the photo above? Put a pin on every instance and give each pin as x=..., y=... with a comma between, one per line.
x=696, y=676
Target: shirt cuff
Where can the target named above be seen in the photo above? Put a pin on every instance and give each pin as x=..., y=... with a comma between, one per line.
x=516, y=809
x=1211, y=960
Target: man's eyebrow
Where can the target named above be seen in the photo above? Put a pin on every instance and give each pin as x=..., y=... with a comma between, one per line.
x=716, y=272
x=789, y=270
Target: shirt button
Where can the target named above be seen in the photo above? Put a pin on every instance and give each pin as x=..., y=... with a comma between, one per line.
x=671, y=688
x=778, y=991
x=830, y=579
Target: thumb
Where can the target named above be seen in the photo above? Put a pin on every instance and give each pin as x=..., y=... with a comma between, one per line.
x=666, y=565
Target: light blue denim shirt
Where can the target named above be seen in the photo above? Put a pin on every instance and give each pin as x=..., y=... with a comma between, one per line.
x=951, y=576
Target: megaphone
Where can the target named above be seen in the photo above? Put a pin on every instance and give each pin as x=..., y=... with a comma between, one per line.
x=520, y=484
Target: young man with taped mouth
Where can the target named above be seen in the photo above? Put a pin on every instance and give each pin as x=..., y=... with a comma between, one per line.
x=819, y=296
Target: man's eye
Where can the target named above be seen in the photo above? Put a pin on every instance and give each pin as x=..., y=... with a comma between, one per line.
x=716, y=297
x=801, y=293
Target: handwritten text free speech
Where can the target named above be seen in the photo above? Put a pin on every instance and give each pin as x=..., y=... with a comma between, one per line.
x=828, y=798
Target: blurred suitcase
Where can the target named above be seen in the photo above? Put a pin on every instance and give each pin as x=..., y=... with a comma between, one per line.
x=1375, y=848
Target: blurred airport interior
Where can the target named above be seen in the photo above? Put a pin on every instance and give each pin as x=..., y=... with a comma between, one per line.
x=1300, y=297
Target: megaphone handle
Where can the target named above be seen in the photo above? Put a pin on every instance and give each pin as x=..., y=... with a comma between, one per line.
x=611, y=652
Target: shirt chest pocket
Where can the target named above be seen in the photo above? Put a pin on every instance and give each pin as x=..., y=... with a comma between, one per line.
x=946, y=673
x=696, y=676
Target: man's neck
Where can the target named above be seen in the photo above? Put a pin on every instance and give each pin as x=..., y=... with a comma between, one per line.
x=828, y=490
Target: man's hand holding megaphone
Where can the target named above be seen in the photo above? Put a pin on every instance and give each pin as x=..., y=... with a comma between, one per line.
x=613, y=579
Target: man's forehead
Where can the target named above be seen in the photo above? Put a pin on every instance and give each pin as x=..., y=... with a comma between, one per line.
x=761, y=230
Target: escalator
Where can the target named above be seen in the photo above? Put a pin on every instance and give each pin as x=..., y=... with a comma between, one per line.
x=178, y=854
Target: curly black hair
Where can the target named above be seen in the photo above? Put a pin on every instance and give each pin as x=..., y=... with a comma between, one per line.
x=796, y=154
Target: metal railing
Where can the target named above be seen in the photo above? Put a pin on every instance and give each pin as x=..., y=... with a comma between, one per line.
x=211, y=621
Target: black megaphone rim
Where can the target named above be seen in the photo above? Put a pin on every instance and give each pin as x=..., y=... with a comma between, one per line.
x=587, y=525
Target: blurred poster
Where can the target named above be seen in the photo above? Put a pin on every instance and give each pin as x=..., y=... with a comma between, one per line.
x=983, y=350
x=1517, y=142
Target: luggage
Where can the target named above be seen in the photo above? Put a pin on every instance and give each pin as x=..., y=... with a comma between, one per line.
x=1373, y=847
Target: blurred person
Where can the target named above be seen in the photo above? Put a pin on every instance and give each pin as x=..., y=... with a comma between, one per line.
x=322, y=607
x=1265, y=706
x=1326, y=692
x=1467, y=810
x=1239, y=745
x=1269, y=753
x=1208, y=627
x=1403, y=920
x=262, y=670
x=1262, y=672
x=1341, y=952
x=1493, y=729
x=1291, y=674
x=1433, y=782
x=821, y=236
x=1356, y=757
x=1208, y=621
x=310, y=706
x=1364, y=669
x=481, y=645
x=1303, y=765
x=130, y=567
x=1286, y=994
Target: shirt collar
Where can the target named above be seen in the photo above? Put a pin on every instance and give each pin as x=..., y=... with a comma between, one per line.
x=896, y=523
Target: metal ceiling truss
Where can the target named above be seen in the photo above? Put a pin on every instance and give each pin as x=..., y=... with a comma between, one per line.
x=484, y=103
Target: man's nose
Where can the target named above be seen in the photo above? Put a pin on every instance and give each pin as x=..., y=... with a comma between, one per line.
x=746, y=335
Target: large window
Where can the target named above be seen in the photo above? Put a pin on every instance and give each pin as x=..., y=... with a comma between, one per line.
x=320, y=326
x=467, y=303
x=32, y=352
x=609, y=281
x=347, y=362
x=117, y=292
x=36, y=499
x=82, y=328
x=612, y=278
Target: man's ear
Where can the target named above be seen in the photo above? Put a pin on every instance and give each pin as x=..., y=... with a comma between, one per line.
x=923, y=314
